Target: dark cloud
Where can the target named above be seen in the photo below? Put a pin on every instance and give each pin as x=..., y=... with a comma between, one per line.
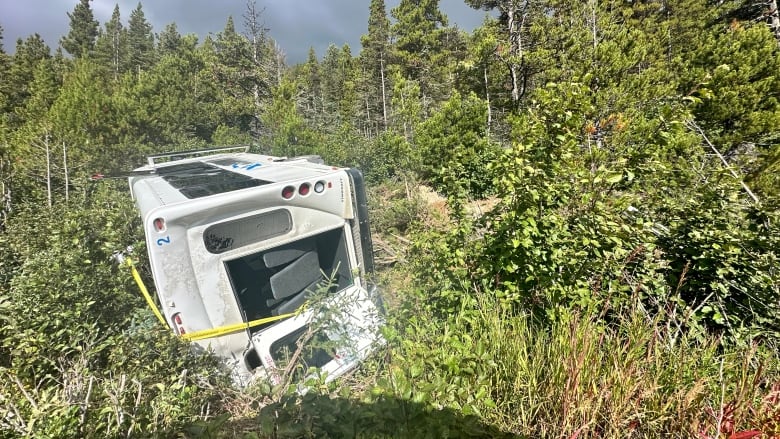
x=295, y=24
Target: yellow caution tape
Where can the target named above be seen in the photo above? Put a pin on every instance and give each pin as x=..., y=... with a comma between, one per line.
x=236, y=327
x=206, y=333
x=144, y=291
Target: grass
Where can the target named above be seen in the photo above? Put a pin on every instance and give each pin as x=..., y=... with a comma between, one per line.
x=584, y=377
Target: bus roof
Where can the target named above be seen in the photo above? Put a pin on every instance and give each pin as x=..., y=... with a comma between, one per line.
x=181, y=180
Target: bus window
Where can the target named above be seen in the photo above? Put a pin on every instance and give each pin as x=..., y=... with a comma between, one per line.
x=316, y=351
x=226, y=236
x=199, y=179
x=278, y=281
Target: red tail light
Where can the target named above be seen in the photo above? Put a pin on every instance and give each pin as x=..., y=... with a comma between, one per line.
x=288, y=192
x=178, y=324
x=159, y=224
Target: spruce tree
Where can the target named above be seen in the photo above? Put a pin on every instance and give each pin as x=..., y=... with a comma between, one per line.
x=169, y=40
x=80, y=40
x=373, y=61
x=238, y=77
x=481, y=68
x=332, y=82
x=263, y=60
x=111, y=45
x=5, y=65
x=21, y=72
x=140, y=41
x=517, y=18
x=419, y=45
x=35, y=141
x=347, y=104
x=313, y=87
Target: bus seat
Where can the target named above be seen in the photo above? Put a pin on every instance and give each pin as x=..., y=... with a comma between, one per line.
x=295, y=277
x=288, y=253
x=312, y=288
x=292, y=304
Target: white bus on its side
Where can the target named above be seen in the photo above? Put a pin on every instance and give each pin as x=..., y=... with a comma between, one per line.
x=236, y=238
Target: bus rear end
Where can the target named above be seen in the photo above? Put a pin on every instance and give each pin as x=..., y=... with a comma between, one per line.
x=256, y=252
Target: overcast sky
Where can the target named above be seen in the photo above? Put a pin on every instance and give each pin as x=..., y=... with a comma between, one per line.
x=295, y=24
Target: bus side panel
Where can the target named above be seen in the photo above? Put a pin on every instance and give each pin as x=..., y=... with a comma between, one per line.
x=361, y=219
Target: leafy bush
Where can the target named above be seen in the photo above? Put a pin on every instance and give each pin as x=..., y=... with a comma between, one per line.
x=592, y=214
x=456, y=150
x=81, y=355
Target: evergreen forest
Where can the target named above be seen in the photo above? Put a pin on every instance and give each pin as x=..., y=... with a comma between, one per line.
x=575, y=210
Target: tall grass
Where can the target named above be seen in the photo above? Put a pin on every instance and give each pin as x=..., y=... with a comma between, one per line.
x=583, y=376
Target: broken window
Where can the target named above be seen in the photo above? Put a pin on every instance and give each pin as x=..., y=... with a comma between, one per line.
x=279, y=280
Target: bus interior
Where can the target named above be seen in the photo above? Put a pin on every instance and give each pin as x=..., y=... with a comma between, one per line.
x=279, y=280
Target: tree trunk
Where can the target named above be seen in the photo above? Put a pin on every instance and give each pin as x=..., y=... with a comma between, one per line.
x=48, y=170
x=515, y=51
x=384, y=95
x=487, y=99
x=594, y=27
x=5, y=190
x=517, y=12
x=65, y=169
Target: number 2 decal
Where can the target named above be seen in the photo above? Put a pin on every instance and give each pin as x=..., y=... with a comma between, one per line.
x=163, y=241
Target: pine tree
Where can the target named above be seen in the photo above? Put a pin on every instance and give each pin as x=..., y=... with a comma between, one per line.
x=373, y=61
x=263, y=57
x=80, y=40
x=332, y=83
x=481, y=67
x=455, y=149
x=111, y=45
x=169, y=40
x=765, y=11
x=245, y=74
x=407, y=107
x=347, y=104
x=140, y=41
x=312, y=83
x=288, y=133
x=5, y=110
x=83, y=116
x=234, y=56
x=5, y=85
x=35, y=141
x=419, y=46
x=28, y=55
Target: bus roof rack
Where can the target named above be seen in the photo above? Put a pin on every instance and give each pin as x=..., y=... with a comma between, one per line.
x=194, y=153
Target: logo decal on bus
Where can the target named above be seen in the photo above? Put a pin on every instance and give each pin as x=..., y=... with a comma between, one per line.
x=248, y=167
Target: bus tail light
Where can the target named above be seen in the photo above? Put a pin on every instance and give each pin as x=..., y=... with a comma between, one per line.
x=159, y=224
x=178, y=324
x=304, y=189
x=288, y=192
